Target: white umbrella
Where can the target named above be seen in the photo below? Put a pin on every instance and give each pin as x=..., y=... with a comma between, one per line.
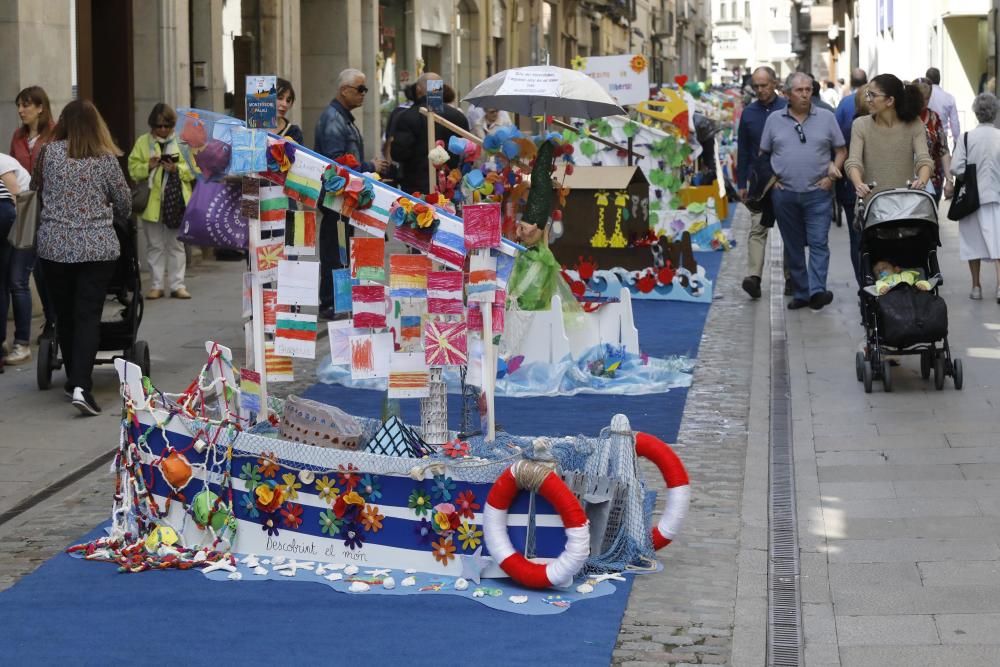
x=544, y=90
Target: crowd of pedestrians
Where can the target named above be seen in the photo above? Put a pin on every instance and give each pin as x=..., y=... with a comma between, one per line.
x=796, y=158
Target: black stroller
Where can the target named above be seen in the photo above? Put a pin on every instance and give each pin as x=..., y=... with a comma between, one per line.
x=900, y=226
x=122, y=313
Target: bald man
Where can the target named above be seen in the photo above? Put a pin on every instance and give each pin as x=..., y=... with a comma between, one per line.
x=409, y=138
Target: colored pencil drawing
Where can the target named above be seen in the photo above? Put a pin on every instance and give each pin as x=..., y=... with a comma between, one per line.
x=368, y=259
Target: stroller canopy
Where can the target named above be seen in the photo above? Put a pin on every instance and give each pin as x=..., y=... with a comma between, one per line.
x=901, y=205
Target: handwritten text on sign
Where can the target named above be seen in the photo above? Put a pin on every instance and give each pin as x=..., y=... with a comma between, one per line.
x=617, y=75
x=530, y=81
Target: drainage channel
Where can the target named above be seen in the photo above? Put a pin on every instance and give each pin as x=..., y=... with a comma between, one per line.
x=784, y=610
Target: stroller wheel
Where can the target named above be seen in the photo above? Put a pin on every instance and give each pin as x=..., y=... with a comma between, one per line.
x=886, y=376
x=859, y=365
x=43, y=365
x=956, y=373
x=866, y=376
x=139, y=355
x=925, y=364
x=939, y=373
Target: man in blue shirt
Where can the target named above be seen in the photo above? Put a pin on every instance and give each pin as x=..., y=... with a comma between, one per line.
x=845, y=189
x=765, y=84
x=337, y=136
x=800, y=141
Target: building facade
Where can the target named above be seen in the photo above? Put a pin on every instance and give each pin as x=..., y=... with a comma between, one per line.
x=127, y=55
x=749, y=33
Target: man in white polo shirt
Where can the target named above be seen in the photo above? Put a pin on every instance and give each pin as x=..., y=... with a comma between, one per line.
x=801, y=140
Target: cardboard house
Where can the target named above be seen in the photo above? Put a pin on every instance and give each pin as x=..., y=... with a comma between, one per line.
x=606, y=212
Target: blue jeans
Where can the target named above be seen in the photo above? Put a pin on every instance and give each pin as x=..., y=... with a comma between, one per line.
x=15, y=267
x=848, y=200
x=804, y=218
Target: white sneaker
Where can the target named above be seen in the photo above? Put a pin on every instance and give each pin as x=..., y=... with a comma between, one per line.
x=84, y=402
x=976, y=294
x=19, y=355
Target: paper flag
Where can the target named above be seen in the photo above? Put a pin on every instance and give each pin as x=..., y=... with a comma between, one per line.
x=295, y=335
x=505, y=265
x=273, y=205
x=300, y=233
x=303, y=181
x=482, y=225
x=482, y=277
x=298, y=283
x=408, y=276
x=368, y=259
x=445, y=343
x=370, y=356
x=342, y=290
x=271, y=308
x=368, y=304
x=444, y=293
x=476, y=317
x=268, y=256
x=409, y=376
x=340, y=332
x=279, y=368
x=249, y=390
x=448, y=244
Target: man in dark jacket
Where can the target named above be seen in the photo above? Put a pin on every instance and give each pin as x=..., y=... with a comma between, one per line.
x=765, y=85
x=337, y=136
x=409, y=138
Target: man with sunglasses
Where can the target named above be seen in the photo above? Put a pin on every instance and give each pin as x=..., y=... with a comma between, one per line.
x=800, y=141
x=764, y=82
x=338, y=136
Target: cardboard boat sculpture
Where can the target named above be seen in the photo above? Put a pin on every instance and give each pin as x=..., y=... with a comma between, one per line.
x=544, y=510
x=223, y=468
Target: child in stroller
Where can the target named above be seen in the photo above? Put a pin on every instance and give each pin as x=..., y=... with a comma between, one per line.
x=902, y=312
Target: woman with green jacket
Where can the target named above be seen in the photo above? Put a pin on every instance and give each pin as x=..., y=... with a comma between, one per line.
x=156, y=160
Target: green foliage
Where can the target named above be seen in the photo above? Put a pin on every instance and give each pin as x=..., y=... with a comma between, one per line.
x=588, y=148
x=630, y=129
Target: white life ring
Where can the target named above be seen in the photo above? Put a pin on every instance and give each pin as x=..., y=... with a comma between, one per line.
x=678, y=487
x=531, y=476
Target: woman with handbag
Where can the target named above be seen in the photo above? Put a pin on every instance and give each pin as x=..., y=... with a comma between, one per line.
x=82, y=188
x=976, y=165
x=35, y=113
x=156, y=161
x=15, y=266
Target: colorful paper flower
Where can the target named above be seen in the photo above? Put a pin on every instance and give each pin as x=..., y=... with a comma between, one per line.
x=371, y=519
x=330, y=523
x=578, y=62
x=269, y=524
x=291, y=515
x=353, y=537
x=444, y=550
x=348, y=476
x=469, y=536
x=291, y=486
x=442, y=487
x=349, y=161
x=250, y=505
x=326, y=489
x=370, y=488
x=353, y=498
x=456, y=448
x=465, y=504
x=425, y=216
x=638, y=64
x=268, y=462
x=269, y=497
x=424, y=531
x=420, y=502
x=250, y=475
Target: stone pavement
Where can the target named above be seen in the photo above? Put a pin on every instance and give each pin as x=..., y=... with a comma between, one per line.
x=898, y=493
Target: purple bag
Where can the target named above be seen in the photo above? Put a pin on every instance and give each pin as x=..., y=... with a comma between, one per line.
x=213, y=219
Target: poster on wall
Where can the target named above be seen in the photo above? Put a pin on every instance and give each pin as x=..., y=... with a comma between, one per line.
x=626, y=78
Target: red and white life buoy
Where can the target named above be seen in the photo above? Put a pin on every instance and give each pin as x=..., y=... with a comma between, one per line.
x=560, y=572
x=678, y=487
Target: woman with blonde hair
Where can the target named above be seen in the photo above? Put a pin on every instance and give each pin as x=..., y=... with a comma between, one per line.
x=82, y=190
x=156, y=159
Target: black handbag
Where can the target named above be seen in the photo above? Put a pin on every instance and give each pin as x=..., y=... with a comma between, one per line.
x=172, y=201
x=965, y=201
x=909, y=316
